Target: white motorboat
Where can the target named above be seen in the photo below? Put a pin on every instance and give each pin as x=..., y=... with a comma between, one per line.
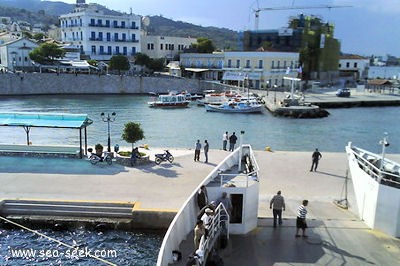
x=170, y=101
x=236, y=107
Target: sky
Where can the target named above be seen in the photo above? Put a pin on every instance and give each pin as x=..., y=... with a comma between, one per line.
x=367, y=27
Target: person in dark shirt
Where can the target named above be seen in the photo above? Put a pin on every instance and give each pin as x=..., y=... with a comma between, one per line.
x=316, y=156
x=232, y=141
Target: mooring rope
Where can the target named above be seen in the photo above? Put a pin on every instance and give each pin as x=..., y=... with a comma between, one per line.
x=55, y=240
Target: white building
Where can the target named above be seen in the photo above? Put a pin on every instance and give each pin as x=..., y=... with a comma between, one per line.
x=99, y=35
x=354, y=65
x=14, y=54
x=164, y=46
x=261, y=69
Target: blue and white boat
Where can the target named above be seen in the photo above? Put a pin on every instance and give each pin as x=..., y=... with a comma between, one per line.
x=236, y=107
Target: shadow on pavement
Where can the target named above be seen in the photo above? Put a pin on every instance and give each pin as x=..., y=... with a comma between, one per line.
x=164, y=169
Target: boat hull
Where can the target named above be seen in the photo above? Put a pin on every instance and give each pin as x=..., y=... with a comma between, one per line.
x=224, y=109
x=169, y=105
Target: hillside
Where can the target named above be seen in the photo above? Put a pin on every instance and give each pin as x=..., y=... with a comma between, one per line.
x=47, y=12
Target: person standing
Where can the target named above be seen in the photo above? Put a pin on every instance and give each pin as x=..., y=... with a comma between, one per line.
x=316, y=156
x=199, y=231
x=226, y=201
x=224, y=140
x=277, y=204
x=301, y=219
x=197, y=151
x=202, y=197
x=232, y=141
x=206, y=146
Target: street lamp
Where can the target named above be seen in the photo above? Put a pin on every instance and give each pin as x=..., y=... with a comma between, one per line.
x=109, y=118
x=275, y=86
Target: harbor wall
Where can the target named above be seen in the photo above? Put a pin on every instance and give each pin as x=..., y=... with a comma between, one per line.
x=52, y=83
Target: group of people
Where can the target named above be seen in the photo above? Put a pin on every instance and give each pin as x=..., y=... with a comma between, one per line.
x=277, y=204
x=232, y=141
x=197, y=151
x=207, y=211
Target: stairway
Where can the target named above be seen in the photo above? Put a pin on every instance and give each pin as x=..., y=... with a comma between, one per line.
x=66, y=209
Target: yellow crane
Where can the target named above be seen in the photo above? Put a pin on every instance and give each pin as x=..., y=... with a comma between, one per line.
x=258, y=10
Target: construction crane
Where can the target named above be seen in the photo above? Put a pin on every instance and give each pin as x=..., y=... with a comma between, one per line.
x=258, y=10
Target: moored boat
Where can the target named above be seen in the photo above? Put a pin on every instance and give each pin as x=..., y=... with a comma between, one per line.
x=376, y=182
x=236, y=107
x=170, y=101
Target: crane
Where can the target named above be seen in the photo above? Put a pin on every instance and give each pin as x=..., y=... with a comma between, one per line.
x=258, y=10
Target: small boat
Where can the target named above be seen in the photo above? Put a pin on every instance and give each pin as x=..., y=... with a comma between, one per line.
x=376, y=183
x=235, y=107
x=170, y=101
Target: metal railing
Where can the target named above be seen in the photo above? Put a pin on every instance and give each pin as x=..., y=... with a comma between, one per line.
x=219, y=225
x=382, y=177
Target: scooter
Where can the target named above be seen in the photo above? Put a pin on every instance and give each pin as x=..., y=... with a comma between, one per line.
x=166, y=156
x=94, y=158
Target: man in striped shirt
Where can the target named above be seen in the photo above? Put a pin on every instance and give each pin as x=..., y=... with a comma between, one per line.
x=278, y=202
x=301, y=219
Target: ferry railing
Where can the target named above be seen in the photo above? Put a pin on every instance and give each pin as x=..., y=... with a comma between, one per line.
x=226, y=179
x=377, y=174
x=219, y=225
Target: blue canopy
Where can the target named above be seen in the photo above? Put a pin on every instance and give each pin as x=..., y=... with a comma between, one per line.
x=53, y=120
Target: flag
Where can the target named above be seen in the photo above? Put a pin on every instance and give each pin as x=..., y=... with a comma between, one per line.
x=287, y=70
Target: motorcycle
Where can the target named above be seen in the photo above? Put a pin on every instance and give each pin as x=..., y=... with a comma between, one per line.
x=166, y=156
x=94, y=158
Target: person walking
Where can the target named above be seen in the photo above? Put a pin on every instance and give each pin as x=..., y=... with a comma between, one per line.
x=232, y=141
x=301, y=219
x=316, y=156
x=206, y=146
x=224, y=140
x=199, y=231
x=197, y=151
x=277, y=204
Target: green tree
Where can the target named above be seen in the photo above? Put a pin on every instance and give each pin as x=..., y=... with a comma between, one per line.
x=119, y=62
x=156, y=64
x=132, y=133
x=39, y=36
x=46, y=52
x=204, y=45
x=142, y=59
x=92, y=62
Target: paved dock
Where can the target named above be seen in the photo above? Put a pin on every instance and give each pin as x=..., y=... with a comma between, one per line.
x=337, y=237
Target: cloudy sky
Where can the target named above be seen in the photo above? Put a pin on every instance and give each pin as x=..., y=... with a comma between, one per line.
x=367, y=27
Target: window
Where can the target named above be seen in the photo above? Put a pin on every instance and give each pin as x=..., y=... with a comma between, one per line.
x=247, y=63
x=117, y=50
x=279, y=62
x=340, y=65
x=347, y=64
x=93, y=49
x=272, y=64
x=101, y=48
x=92, y=22
x=115, y=24
x=116, y=37
x=133, y=37
x=92, y=36
x=355, y=64
x=148, y=46
x=172, y=47
x=124, y=36
x=133, y=25
x=133, y=50
x=108, y=37
x=100, y=36
x=260, y=63
x=107, y=23
x=99, y=22
x=229, y=63
x=26, y=59
x=161, y=46
x=109, y=49
x=123, y=24
x=125, y=50
x=284, y=64
x=81, y=36
x=237, y=63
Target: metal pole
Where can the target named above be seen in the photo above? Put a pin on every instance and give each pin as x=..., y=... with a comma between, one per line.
x=109, y=137
x=240, y=151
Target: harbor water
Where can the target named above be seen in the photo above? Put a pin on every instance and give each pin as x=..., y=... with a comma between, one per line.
x=182, y=127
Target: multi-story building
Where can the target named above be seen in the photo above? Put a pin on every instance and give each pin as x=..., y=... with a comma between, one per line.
x=99, y=35
x=261, y=69
x=354, y=66
x=164, y=46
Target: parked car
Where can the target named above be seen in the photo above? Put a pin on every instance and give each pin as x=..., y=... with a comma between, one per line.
x=344, y=92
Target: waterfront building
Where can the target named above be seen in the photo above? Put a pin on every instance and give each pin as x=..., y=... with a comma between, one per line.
x=100, y=35
x=261, y=69
x=354, y=66
x=203, y=66
x=384, y=72
x=309, y=35
x=14, y=53
x=166, y=47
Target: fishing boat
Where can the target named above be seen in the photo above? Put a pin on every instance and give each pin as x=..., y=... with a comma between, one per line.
x=170, y=101
x=250, y=106
x=218, y=98
x=236, y=175
x=376, y=182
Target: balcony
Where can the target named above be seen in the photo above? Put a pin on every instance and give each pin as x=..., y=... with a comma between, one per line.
x=134, y=28
x=99, y=25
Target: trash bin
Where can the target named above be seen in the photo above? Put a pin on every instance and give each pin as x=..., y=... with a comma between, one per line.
x=116, y=148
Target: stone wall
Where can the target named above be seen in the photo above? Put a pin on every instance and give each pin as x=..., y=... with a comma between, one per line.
x=52, y=83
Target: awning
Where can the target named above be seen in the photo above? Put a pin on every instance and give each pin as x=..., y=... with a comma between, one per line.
x=240, y=76
x=196, y=69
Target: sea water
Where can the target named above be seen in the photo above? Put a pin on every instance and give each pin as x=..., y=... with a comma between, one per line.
x=180, y=128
